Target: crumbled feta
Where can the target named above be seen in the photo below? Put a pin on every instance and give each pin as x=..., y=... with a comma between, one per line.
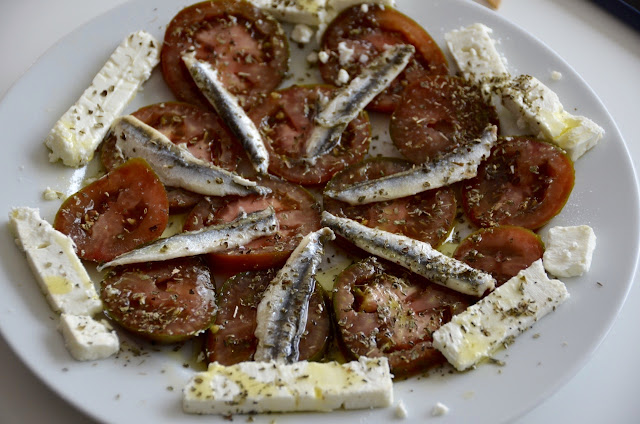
x=301, y=33
x=312, y=57
x=507, y=311
x=401, y=409
x=343, y=77
x=308, y=12
x=87, y=339
x=323, y=56
x=556, y=76
x=51, y=194
x=345, y=53
x=568, y=250
x=439, y=409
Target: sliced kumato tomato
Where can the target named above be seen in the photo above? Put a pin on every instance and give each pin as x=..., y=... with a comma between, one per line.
x=115, y=214
x=525, y=182
x=360, y=33
x=296, y=210
x=286, y=119
x=427, y=216
x=436, y=115
x=231, y=339
x=166, y=301
x=201, y=131
x=246, y=45
x=501, y=251
x=383, y=310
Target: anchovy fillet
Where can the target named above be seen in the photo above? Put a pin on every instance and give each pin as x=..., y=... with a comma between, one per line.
x=176, y=166
x=417, y=256
x=282, y=312
x=460, y=164
x=216, y=238
x=226, y=104
x=349, y=101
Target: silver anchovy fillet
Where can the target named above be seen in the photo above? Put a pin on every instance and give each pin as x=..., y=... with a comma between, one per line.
x=282, y=313
x=349, y=101
x=216, y=238
x=460, y=164
x=226, y=104
x=176, y=166
x=417, y=256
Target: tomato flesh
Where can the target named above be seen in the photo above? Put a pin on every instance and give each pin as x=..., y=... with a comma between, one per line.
x=368, y=33
x=232, y=338
x=525, y=182
x=247, y=46
x=382, y=310
x=166, y=301
x=501, y=251
x=115, y=214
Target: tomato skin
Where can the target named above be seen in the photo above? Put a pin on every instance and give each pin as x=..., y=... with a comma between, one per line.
x=296, y=210
x=525, y=182
x=246, y=45
x=285, y=120
x=383, y=310
x=436, y=115
x=232, y=340
x=166, y=301
x=501, y=251
x=428, y=216
x=368, y=33
x=115, y=214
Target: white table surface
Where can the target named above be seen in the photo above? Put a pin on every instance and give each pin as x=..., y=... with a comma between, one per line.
x=600, y=48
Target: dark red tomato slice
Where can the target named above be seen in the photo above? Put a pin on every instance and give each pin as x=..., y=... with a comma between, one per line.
x=115, y=214
x=428, y=216
x=231, y=339
x=501, y=251
x=166, y=301
x=382, y=310
x=247, y=46
x=525, y=182
x=368, y=31
x=436, y=115
x=286, y=118
x=202, y=132
x=296, y=210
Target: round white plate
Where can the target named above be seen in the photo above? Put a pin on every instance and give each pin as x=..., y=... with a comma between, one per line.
x=146, y=386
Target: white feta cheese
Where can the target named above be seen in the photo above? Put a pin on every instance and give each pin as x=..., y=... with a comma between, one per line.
x=250, y=387
x=323, y=56
x=51, y=255
x=308, y=12
x=503, y=314
x=568, y=250
x=401, y=410
x=301, y=33
x=345, y=53
x=556, y=76
x=541, y=109
x=51, y=194
x=343, y=76
x=475, y=53
x=312, y=57
x=87, y=339
x=439, y=409
x=77, y=134
x=334, y=7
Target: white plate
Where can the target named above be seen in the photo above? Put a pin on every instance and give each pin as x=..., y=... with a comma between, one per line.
x=131, y=387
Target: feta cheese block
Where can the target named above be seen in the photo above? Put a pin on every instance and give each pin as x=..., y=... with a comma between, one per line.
x=308, y=12
x=77, y=134
x=541, y=109
x=476, y=55
x=503, y=314
x=87, y=339
x=53, y=260
x=568, y=250
x=250, y=387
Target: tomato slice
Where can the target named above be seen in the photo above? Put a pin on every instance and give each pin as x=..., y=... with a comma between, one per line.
x=383, y=310
x=286, y=118
x=525, y=182
x=436, y=115
x=202, y=132
x=247, y=46
x=115, y=214
x=296, y=210
x=501, y=251
x=232, y=340
x=367, y=31
x=428, y=216
x=166, y=301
